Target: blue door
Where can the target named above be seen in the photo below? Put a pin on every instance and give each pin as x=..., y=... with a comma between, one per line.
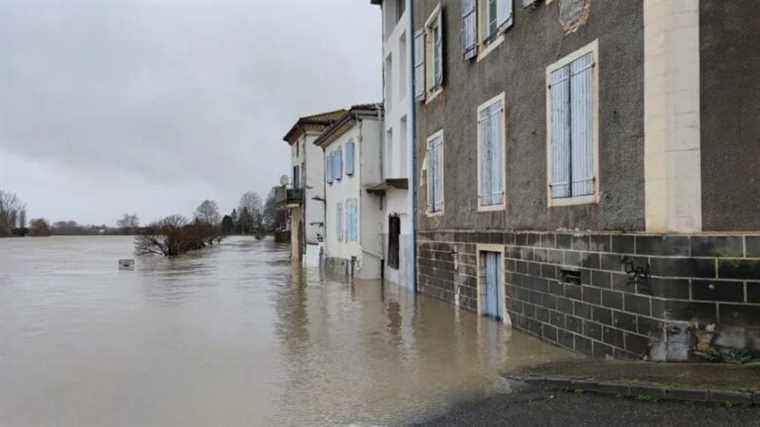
x=494, y=297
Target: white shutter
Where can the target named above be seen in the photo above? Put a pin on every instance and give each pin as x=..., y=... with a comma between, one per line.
x=582, y=124
x=328, y=168
x=469, y=29
x=495, y=140
x=504, y=11
x=560, y=128
x=430, y=176
x=485, y=158
x=438, y=176
x=438, y=60
x=419, y=65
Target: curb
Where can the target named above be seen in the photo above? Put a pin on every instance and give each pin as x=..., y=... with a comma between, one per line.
x=651, y=392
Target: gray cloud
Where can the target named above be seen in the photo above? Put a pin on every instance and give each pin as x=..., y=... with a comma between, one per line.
x=110, y=106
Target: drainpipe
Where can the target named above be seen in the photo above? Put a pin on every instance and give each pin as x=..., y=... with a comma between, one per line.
x=413, y=172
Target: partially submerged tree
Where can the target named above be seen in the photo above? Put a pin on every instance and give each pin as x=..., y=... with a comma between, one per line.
x=174, y=235
x=39, y=228
x=251, y=213
x=228, y=226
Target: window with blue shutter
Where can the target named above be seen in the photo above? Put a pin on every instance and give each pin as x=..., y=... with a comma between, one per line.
x=350, y=154
x=497, y=18
x=339, y=221
x=490, y=146
x=572, y=129
x=469, y=29
x=435, y=173
x=339, y=164
x=419, y=65
x=328, y=168
x=352, y=220
x=437, y=34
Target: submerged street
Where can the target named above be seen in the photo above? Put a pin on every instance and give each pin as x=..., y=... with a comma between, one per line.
x=230, y=336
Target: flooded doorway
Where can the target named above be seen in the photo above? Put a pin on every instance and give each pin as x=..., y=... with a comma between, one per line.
x=491, y=296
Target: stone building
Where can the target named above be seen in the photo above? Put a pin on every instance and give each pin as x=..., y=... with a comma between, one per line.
x=588, y=170
x=304, y=198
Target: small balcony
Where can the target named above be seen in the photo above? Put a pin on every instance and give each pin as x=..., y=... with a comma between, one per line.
x=287, y=198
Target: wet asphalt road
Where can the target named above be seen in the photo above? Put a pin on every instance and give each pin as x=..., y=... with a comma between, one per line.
x=533, y=407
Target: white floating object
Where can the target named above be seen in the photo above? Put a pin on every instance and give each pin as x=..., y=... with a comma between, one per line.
x=126, y=264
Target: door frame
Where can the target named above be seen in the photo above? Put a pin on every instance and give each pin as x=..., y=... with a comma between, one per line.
x=479, y=249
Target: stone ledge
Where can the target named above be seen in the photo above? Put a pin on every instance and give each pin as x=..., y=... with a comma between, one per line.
x=652, y=392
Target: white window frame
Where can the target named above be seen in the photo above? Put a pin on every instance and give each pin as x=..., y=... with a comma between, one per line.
x=503, y=127
x=432, y=90
x=428, y=177
x=487, y=46
x=592, y=48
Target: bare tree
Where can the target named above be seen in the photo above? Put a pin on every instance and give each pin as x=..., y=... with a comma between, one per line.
x=10, y=209
x=174, y=236
x=208, y=212
x=252, y=203
x=22, y=219
x=128, y=223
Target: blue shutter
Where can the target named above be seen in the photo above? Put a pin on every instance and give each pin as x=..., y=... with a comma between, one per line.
x=582, y=125
x=328, y=168
x=497, y=168
x=350, y=150
x=438, y=46
x=560, y=128
x=504, y=14
x=469, y=29
x=419, y=65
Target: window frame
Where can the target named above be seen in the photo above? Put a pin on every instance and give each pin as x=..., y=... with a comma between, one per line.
x=481, y=291
x=433, y=89
x=428, y=183
x=593, y=49
x=503, y=128
x=487, y=45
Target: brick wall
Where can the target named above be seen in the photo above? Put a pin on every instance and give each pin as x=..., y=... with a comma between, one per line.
x=611, y=295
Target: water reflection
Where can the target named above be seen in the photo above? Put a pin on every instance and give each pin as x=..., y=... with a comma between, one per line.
x=231, y=336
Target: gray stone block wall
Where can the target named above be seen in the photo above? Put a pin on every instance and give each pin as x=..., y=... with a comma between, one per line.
x=629, y=296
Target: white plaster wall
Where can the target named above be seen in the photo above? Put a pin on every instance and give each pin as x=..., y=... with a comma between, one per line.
x=398, y=107
x=314, y=188
x=366, y=136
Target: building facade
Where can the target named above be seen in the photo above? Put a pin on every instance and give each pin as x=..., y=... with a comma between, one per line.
x=352, y=148
x=398, y=151
x=304, y=198
x=579, y=176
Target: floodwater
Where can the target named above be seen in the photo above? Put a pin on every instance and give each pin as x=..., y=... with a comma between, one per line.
x=229, y=336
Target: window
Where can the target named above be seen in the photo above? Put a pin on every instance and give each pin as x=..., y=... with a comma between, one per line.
x=296, y=177
x=394, y=236
x=402, y=150
x=572, y=135
x=400, y=9
x=352, y=221
x=339, y=164
x=329, y=166
x=339, y=221
x=491, y=153
x=388, y=166
x=350, y=155
x=388, y=82
x=435, y=174
x=428, y=58
x=483, y=23
x=402, y=67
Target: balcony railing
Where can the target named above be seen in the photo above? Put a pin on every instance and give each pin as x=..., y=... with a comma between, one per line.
x=289, y=197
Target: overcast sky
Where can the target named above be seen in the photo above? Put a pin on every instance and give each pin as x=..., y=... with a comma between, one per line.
x=151, y=106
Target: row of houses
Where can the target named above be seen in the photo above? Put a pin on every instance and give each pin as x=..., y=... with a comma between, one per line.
x=584, y=170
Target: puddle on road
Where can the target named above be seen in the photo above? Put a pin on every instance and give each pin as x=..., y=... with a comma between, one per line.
x=232, y=336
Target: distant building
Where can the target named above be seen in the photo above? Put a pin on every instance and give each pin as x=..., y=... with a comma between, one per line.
x=352, y=148
x=398, y=150
x=588, y=169
x=305, y=197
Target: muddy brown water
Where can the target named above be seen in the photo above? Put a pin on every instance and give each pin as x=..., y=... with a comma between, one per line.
x=229, y=336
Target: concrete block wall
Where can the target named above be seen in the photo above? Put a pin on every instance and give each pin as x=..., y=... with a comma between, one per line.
x=628, y=296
